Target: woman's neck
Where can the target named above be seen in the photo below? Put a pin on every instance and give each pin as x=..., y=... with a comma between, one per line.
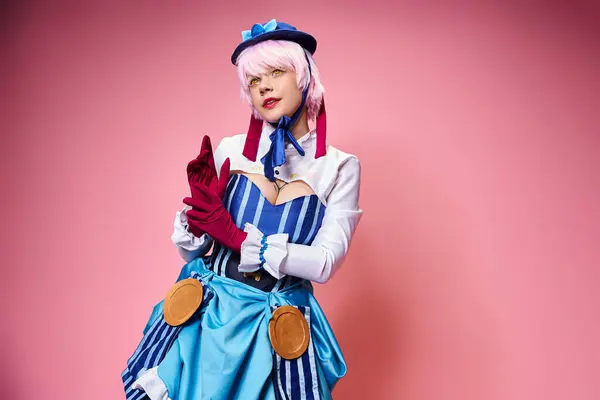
x=300, y=128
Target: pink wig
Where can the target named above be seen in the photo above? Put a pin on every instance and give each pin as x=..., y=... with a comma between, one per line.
x=284, y=54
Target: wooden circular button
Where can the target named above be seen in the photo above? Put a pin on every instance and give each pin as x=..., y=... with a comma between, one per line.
x=182, y=301
x=289, y=332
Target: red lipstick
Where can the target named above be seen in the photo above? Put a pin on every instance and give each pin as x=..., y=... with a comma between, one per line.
x=270, y=102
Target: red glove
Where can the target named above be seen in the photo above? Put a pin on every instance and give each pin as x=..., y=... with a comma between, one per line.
x=202, y=170
x=210, y=215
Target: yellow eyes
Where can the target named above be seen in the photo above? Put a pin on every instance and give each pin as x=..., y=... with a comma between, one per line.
x=255, y=81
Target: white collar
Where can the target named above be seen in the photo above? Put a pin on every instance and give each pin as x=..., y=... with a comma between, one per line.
x=305, y=141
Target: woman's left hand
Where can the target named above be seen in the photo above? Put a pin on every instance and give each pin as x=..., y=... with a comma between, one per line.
x=209, y=215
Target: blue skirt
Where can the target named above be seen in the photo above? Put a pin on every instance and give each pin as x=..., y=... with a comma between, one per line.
x=224, y=352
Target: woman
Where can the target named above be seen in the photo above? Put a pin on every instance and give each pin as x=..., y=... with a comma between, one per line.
x=280, y=212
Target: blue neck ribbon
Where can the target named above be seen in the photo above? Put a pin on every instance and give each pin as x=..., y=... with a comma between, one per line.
x=275, y=157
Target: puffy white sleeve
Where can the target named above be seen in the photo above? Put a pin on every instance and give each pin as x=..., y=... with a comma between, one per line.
x=319, y=261
x=188, y=245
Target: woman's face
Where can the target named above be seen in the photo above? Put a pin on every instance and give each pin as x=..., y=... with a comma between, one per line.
x=275, y=93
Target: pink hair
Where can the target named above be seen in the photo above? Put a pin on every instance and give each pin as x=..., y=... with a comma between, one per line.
x=256, y=59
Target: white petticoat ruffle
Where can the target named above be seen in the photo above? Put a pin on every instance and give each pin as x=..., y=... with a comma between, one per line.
x=151, y=383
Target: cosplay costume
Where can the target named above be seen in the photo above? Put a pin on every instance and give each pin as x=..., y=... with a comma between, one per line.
x=226, y=348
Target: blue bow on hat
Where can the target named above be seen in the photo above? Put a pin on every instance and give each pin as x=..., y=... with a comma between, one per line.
x=258, y=29
x=273, y=30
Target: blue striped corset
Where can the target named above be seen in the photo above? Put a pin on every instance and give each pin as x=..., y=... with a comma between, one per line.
x=300, y=218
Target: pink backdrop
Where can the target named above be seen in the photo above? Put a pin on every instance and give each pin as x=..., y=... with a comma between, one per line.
x=474, y=273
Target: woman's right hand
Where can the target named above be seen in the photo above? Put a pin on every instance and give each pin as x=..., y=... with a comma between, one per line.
x=202, y=173
x=201, y=170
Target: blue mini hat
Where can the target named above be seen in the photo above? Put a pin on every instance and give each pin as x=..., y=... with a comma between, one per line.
x=274, y=30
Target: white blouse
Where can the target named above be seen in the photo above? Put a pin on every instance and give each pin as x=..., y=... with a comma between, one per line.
x=335, y=179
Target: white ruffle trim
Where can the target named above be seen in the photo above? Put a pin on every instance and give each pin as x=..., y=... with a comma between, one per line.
x=274, y=253
x=182, y=237
x=151, y=383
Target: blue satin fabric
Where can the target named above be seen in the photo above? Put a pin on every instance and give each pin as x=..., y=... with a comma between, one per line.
x=224, y=352
x=275, y=157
